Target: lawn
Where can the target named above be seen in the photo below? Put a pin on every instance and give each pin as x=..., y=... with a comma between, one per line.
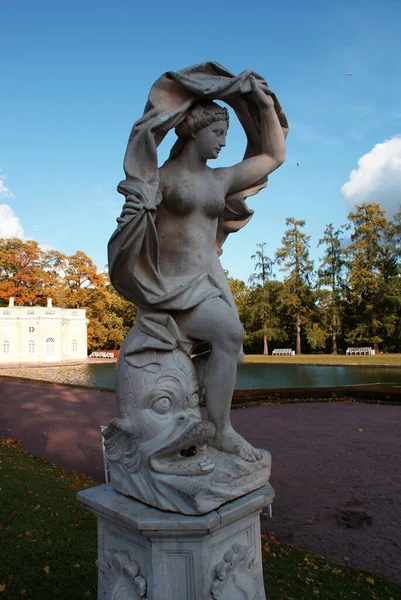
x=48, y=544
x=327, y=359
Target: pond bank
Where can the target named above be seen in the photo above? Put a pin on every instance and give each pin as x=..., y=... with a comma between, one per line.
x=250, y=376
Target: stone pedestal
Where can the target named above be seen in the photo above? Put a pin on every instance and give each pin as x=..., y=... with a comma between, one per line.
x=149, y=554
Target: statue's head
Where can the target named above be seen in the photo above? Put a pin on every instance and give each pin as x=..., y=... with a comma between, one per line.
x=201, y=114
x=207, y=124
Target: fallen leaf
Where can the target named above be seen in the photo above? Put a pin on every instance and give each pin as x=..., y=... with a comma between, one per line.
x=46, y=570
x=370, y=580
x=2, y=587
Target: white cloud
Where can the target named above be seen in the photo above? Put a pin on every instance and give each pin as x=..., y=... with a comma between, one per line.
x=377, y=178
x=9, y=223
x=46, y=247
x=4, y=191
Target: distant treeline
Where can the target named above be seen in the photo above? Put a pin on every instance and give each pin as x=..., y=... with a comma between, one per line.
x=351, y=298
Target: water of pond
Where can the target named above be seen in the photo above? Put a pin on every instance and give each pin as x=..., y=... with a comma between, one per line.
x=250, y=376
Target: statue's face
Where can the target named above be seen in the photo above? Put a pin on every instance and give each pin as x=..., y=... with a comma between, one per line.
x=211, y=139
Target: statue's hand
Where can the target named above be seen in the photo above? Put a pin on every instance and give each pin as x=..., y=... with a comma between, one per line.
x=261, y=94
x=131, y=207
x=133, y=204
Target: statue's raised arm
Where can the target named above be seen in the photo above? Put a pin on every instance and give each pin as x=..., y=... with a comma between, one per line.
x=164, y=257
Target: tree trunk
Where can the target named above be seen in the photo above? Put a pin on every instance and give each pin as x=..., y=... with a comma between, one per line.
x=298, y=345
x=334, y=335
x=265, y=345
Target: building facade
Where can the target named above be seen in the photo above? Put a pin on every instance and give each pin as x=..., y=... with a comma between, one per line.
x=39, y=334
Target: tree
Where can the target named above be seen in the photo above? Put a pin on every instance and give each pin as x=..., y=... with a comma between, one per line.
x=26, y=272
x=393, y=285
x=240, y=294
x=370, y=263
x=81, y=279
x=293, y=255
x=31, y=275
x=317, y=325
x=261, y=307
x=330, y=274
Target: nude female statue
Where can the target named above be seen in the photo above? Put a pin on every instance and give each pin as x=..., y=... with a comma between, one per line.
x=171, y=218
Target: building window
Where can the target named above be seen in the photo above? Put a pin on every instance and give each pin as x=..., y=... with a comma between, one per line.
x=6, y=311
x=75, y=345
x=6, y=347
x=74, y=313
x=30, y=311
x=50, y=347
x=31, y=347
x=31, y=329
x=50, y=311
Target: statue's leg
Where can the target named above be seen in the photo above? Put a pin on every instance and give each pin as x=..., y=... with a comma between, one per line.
x=216, y=322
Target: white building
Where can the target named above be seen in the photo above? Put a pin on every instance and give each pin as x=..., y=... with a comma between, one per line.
x=39, y=334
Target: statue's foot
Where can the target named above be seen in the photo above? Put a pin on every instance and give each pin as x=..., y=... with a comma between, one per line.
x=232, y=442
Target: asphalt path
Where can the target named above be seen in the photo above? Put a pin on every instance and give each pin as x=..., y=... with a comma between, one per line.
x=336, y=467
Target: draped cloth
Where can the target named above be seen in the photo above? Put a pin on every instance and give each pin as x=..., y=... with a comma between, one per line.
x=133, y=248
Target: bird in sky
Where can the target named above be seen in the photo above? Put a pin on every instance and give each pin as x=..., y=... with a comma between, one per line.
x=349, y=74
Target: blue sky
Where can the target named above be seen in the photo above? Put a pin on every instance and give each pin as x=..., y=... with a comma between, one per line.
x=75, y=76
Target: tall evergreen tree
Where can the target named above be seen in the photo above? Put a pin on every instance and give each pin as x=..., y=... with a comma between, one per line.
x=330, y=274
x=262, y=305
x=370, y=262
x=293, y=255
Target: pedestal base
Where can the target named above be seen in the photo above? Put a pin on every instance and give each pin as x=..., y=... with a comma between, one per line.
x=147, y=554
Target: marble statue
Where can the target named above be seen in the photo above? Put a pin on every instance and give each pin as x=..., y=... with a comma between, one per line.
x=164, y=257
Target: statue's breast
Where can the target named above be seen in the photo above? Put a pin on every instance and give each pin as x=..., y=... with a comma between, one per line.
x=187, y=195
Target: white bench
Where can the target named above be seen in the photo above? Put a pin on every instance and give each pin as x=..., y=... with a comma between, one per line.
x=283, y=352
x=366, y=351
x=102, y=355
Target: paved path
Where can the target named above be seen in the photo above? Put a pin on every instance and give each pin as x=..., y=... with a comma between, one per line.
x=336, y=467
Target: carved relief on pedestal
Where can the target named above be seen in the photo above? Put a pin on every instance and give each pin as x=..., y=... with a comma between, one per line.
x=238, y=576
x=121, y=580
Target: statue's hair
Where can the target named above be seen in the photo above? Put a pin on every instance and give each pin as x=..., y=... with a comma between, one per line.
x=202, y=114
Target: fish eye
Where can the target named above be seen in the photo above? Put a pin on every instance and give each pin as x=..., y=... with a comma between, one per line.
x=162, y=405
x=193, y=400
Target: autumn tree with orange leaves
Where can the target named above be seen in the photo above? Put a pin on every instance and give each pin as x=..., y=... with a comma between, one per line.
x=31, y=275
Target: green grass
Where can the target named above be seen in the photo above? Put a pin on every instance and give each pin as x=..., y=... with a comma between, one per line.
x=293, y=574
x=327, y=359
x=49, y=544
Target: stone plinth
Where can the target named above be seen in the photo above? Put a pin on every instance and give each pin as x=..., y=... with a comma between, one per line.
x=149, y=554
